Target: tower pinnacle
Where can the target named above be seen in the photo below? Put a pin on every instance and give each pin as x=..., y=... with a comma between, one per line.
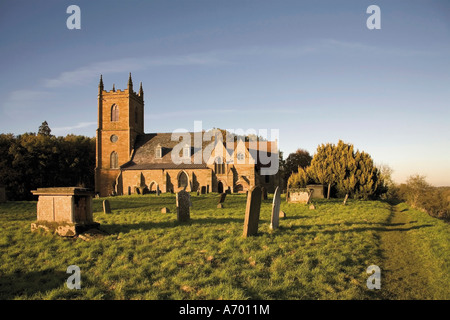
x=141, y=91
x=100, y=85
x=130, y=83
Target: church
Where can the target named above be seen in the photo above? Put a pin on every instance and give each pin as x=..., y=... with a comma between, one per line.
x=129, y=161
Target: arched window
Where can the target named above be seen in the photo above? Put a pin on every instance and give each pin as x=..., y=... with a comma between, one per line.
x=114, y=113
x=182, y=180
x=219, y=166
x=114, y=160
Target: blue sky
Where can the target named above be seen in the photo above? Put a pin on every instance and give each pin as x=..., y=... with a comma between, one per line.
x=311, y=69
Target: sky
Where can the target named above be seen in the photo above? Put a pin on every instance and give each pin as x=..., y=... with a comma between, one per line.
x=312, y=70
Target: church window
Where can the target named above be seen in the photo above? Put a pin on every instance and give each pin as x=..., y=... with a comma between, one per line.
x=240, y=156
x=114, y=113
x=182, y=180
x=114, y=160
x=114, y=138
x=219, y=166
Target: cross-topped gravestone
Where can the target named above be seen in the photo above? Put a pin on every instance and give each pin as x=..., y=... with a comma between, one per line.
x=252, y=212
x=183, y=204
x=275, y=210
x=106, y=207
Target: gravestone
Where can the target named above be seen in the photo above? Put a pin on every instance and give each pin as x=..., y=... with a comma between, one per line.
x=220, y=206
x=207, y=188
x=165, y=210
x=264, y=193
x=252, y=212
x=222, y=197
x=345, y=200
x=158, y=192
x=203, y=190
x=282, y=214
x=106, y=207
x=312, y=207
x=183, y=206
x=274, y=223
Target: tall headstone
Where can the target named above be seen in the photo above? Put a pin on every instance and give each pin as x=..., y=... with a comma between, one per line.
x=183, y=206
x=252, y=212
x=274, y=222
x=157, y=190
x=203, y=190
x=222, y=197
x=106, y=207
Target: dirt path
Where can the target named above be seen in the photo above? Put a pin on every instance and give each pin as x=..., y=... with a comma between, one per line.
x=403, y=274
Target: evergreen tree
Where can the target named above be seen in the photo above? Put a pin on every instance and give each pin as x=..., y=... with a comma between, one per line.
x=348, y=172
x=44, y=129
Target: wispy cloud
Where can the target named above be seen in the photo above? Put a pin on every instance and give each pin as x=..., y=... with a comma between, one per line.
x=79, y=125
x=82, y=74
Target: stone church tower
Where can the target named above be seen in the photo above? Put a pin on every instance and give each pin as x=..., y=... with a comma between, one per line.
x=120, y=121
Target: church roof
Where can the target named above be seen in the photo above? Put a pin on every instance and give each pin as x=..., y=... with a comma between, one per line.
x=144, y=155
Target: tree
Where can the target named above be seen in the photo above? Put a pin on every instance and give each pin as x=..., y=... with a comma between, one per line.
x=416, y=187
x=31, y=161
x=298, y=179
x=300, y=158
x=321, y=169
x=386, y=187
x=348, y=172
x=44, y=129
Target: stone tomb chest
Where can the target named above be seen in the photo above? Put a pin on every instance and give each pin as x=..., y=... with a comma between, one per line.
x=65, y=211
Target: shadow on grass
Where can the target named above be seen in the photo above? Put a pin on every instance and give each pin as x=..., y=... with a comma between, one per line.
x=30, y=283
x=386, y=228
x=125, y=228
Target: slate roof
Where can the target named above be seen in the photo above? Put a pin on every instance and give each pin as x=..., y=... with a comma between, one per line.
x=144, y=155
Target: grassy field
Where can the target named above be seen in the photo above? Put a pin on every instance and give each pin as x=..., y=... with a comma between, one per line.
x=315, y=254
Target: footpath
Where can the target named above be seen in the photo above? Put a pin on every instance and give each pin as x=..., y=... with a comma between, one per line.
x=404, y=275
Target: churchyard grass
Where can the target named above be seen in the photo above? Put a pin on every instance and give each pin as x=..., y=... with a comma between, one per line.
x=314, y=254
